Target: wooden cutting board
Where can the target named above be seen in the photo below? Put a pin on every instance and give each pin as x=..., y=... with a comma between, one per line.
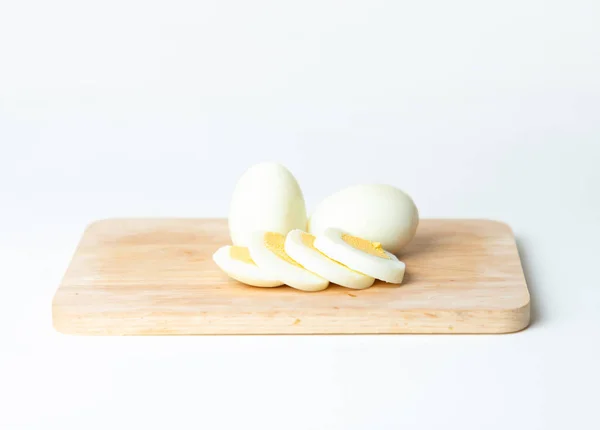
x=157, y=277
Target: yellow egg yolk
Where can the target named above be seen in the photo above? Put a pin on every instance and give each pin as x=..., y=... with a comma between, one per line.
x=373, y=248
x=274, y=242
x=241, y=253
x=308, y=240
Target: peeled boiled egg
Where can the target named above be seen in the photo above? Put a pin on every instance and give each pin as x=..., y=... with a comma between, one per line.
x=267, y=197
x=377, y=213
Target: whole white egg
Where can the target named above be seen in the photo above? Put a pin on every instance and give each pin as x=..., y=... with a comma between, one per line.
x=379, y=213
x=266, y=197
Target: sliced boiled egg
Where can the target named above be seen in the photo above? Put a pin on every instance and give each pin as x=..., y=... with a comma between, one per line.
x=237, y=263
x=300, y=246
x=268, y=251
x=361, y=255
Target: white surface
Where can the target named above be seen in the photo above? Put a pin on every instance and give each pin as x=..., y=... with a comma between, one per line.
x=134, y=108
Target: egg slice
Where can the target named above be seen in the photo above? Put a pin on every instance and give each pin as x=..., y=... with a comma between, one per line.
x=237, y=263
x=361, y=255
x=300, y=246
x=268, y=251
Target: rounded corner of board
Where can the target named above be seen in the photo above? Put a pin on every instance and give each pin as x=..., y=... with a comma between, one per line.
x=60, y=323
x=519, y=318
x=60, y=328
x=98, y=223
x=500, y=226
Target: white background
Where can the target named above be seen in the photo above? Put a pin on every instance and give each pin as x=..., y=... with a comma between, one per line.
x=136, y=108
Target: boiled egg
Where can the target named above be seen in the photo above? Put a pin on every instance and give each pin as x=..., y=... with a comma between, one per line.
x=361, y=255
x=267, y=249
x=299, y=245
x=236, y=262
x=377, y=213
x=266, y=197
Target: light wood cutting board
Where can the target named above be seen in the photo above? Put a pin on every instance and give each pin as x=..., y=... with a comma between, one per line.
x=157, y=277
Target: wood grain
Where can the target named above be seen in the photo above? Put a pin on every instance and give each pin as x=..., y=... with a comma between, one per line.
x=157, y=277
